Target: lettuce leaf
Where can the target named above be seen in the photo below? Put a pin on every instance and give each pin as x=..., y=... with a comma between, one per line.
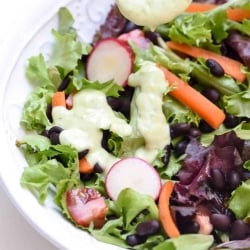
x=49, y=166
x=33, y=115
x=239, y=201
x=238, y=104
x=186, y=242
x=37, y=72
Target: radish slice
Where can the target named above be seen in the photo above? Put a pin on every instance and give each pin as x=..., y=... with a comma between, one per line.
x=135, y=173
x=110, y=59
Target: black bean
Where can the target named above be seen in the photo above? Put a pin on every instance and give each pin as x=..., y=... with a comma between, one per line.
x=231, y=121
x=83, y=153
x=194, y=132
x=234, y=179
x=245, y=175
x=212, y=94
x=214, y=67
x=49, y=112
x=205, y=127
x=217, y=178
x=179, y=129
x=147, y=228
x=135, y=239
x=180, y=147
x=65, y=82
x=54, y=138
x=152, y=36
x=55, y=129
x=189, y=227
x=86, y=177
x=166, y=157
x=98, y=168
x=239, y=230
x=45, y=133
x=221, y=222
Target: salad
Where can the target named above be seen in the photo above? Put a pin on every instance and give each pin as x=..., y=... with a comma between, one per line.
x=142, y=137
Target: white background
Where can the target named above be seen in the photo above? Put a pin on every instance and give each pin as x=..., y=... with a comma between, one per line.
x=15, y=232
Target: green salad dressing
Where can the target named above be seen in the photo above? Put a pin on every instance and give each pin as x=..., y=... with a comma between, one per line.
x=83, y=125
x=151, y=121
x=152, y=13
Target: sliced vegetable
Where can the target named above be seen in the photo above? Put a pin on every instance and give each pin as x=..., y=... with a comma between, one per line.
x=58, y=99
x=192, y=98
x=110, y=59
x=230, y=66
x=85, y=167
x=235, y=14
x=165, y=213
x=135, y=173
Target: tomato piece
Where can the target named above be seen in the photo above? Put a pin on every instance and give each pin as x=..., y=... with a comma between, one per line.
x=86, y=205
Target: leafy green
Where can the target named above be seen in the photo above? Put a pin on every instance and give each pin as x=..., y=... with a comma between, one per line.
x=238, y=104
x=66, y=21
x=48, y=165
x=176, y=112
x=110, y=88
x=239, y=201
x=186, y=242
x=37, y=72
x=34, y=111
x=66, y=52
x=203, y=29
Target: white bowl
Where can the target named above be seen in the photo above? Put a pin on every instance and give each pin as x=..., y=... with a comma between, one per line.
x=30, y=37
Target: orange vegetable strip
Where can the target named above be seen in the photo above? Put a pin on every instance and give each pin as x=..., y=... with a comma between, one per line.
x=58, y=99
x=236, y=14
x=230, y=66
x=192, y=98
x=200, y=7
x=165, y=213
x=84, y=166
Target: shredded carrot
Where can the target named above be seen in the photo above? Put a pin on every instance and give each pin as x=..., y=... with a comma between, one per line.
x=192, y=98
x=230, y=66
x=85, y=167
x=58, y=99
x=165, y=213
x=235, y=14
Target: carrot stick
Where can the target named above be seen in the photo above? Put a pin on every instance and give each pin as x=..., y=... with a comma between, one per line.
x=192, y=98
x=200, y=7
x=236, y=14
x=85, y=167
x=230, y=66
x=58, y=99
x=165, y=214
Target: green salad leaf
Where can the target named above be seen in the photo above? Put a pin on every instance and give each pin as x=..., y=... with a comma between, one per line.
x=239, y=202
x=34, y=115
x=186, y=242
